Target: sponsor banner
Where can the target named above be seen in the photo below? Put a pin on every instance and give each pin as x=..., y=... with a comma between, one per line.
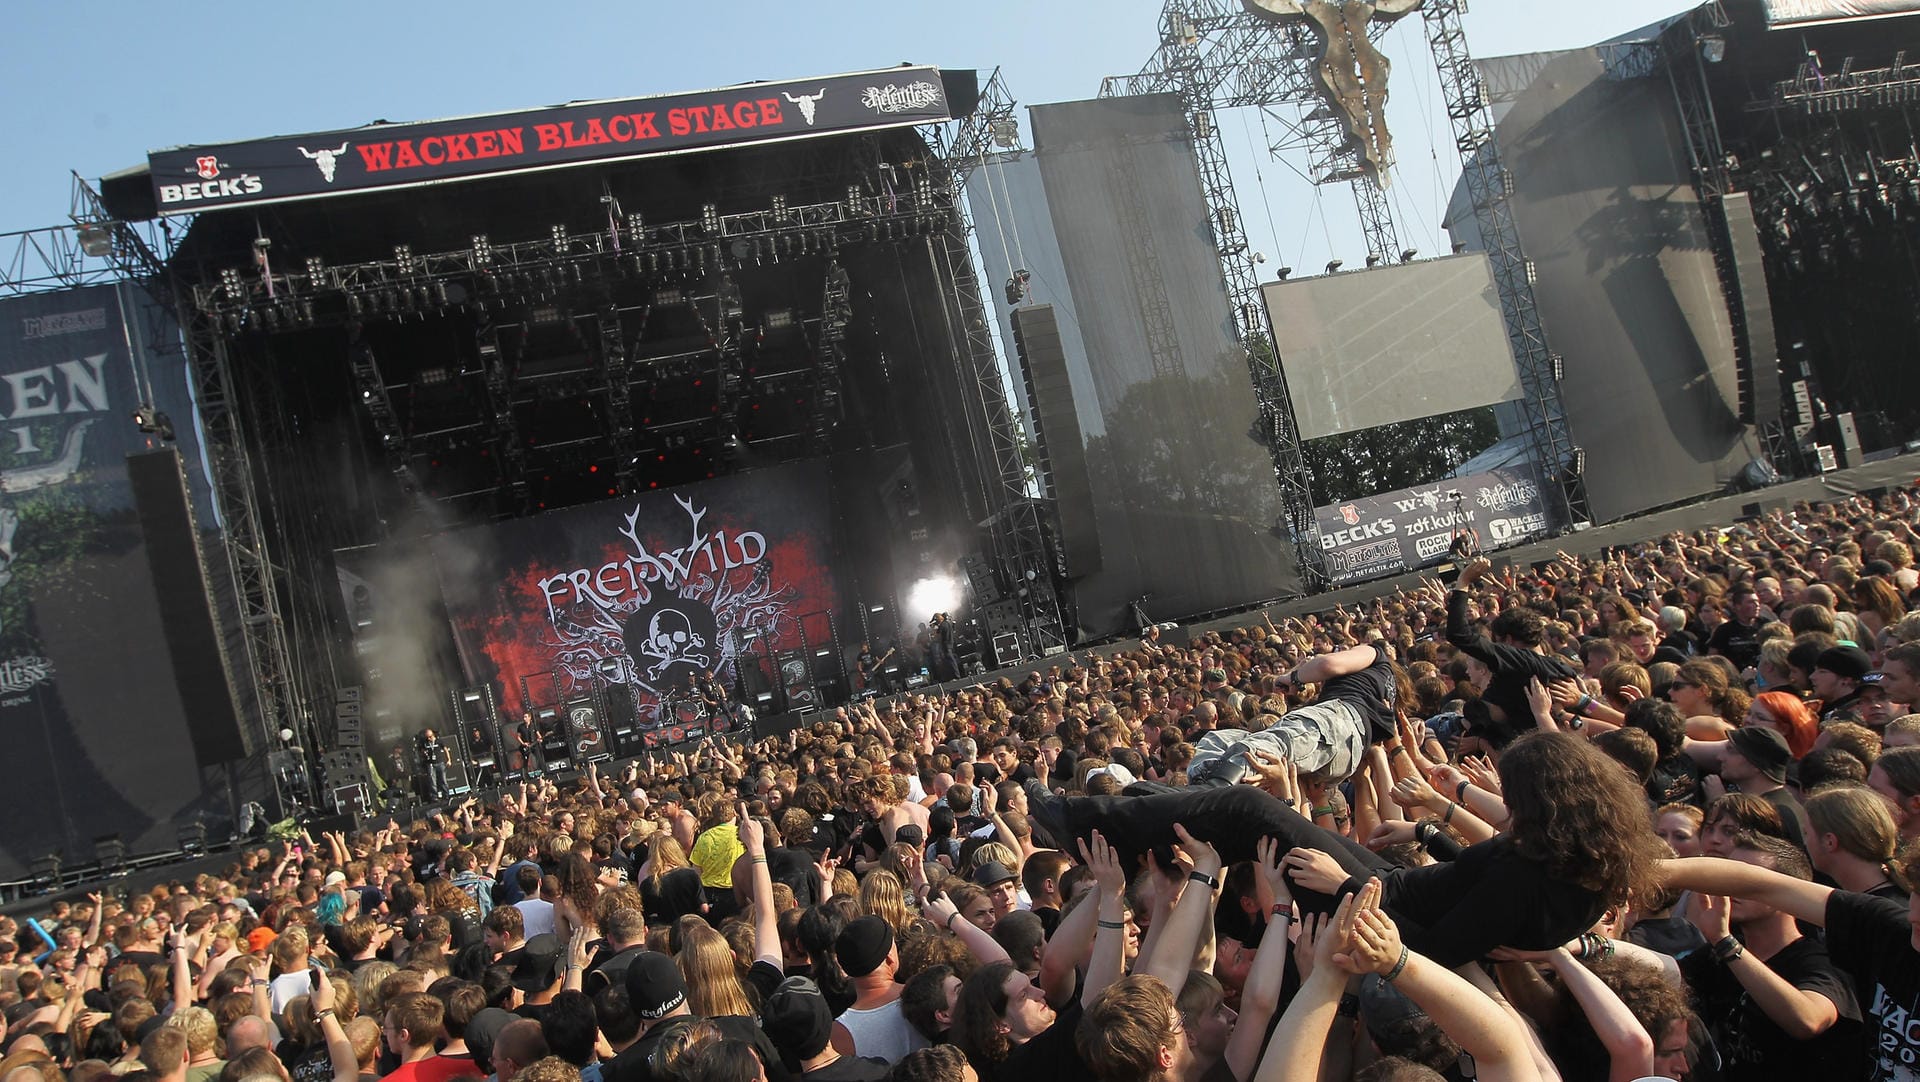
x=198, y=178
x=1783, y=13
x=1396, y=532
x=647, y=592
x=96, y=735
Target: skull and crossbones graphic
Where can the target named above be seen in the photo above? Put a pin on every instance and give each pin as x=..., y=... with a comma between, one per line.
x=671, y=640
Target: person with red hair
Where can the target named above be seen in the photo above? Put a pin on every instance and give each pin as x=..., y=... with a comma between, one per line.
x=1784, y=713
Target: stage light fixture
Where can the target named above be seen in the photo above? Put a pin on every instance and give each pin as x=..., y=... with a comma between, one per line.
x=710, y=217
x=560, y=238
x=193, y=838
x=111, y=851
x=1408, y=255
x=1459, y=247
x=95, y=239
x=482, y=250
x=1713, y=48
x=1559, y=367
x=403, y=258
x=1374, y=260
x=779, y=208
x=1285, y=273
x=1334, y=265
x=230, y=281
x=1533, y=272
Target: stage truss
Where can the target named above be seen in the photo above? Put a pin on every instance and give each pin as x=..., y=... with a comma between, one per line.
x=1216, y=55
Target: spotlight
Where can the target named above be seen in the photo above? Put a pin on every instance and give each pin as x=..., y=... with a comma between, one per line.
x=95, y=239
x=1373, y=260
x=560, y=238
x=1285, y=273
x=482, y=250
x=940, y=593
x=1713, y=48
x=1459, y=247
x=710, y=217
x=1559, y=367
x=111, y=851
x=1407, y=255
x=403, y=258
x=1334, y=265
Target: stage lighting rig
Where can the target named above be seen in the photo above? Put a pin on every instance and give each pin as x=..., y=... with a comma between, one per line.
x=1374, y=259
x=96, y=240
x=1409, y=254
x=1334, y=265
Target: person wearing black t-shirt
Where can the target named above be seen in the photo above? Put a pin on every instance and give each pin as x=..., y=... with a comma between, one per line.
x=1516, y=655
x=1775, y=1003
x=434, y=759
x=1870, y=938
x=1738, y=639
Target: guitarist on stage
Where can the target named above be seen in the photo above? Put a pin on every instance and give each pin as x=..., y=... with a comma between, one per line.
x=868, y=668
x=522, y=737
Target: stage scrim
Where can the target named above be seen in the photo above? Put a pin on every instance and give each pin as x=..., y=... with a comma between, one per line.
x=1626, y=285
x=97, y=741
x=644, y=592
x=1183, y=497
x=1374, y=347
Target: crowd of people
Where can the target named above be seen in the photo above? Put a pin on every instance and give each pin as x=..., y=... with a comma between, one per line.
x=1636, y=815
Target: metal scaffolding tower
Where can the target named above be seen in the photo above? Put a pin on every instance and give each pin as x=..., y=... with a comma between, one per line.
x=1561, y=464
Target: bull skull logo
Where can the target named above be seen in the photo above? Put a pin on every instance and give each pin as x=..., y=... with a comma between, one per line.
x=671, y=640
x=807, y=103
x=1349, y=72
x=325, y=159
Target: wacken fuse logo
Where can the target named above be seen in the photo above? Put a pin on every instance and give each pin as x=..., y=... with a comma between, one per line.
x=656, y=617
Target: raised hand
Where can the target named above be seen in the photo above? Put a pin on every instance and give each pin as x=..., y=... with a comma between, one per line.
x=1315, y=870
x=1480, y=771
x=1201, y=855
x=1712, y=914
x=753, y=837
x=1105, y=863
x=1271, y=874
x=320, y=998
x=941, y=911
x=1412, y=792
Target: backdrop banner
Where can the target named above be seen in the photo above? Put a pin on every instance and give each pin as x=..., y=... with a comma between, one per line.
x=1396, y=532
x=1785, y=13
x=91, y=717
x=643, y=594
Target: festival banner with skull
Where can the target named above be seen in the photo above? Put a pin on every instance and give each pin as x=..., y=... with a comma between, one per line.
x=645, y=592
x=95, y=729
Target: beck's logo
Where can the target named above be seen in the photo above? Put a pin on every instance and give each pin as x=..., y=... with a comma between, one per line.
x=325, y=160
x=1350, y=515
x=195, y=190
x=208, y=167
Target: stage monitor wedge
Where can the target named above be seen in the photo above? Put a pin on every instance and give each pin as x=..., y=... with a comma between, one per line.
x=1056, y=435
x=201, y=667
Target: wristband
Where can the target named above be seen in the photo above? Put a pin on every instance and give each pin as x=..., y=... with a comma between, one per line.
x=1212, y=882
x=1451, y=808
x=1728, y=950
x=1318, y=812
x=258, y=983
x=950, y=919
x=1580, y=705
x=1460, y=790
x=328, y=1013
x=1282, y=911
x=1398, y=967
x=1112, y=925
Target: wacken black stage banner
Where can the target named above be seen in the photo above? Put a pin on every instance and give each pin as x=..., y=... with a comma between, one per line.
x=198, y=178
x=1796, y=13
x=90, y=715
x=644, y=593
x=1396, y=532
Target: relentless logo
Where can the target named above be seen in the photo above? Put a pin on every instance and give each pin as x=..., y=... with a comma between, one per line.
x=194, y=191
x=92, y=319
x=807, y=103
x=24, y=673
x=1508, y=495
x=207, y=167
x=325, y=160
x=894, y=98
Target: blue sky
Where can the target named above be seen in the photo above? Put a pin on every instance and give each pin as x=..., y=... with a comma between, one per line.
x=92, y=86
